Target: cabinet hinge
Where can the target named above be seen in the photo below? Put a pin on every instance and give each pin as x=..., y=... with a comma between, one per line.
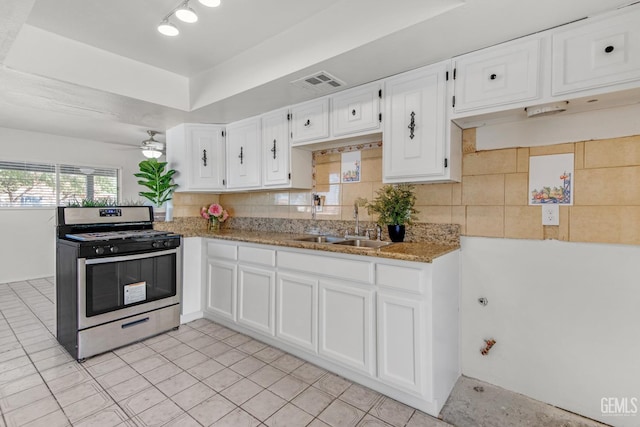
x=446, y=162
x=454, y=73
x=223, y=134
x=446, y=76
x=291, y=135
x=224, y=182
x=453, y=101
x=289, y=176
x=289, y=116
x=380, y=117
x=380, y=94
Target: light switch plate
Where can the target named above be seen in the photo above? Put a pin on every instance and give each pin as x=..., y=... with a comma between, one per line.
x=550, y=214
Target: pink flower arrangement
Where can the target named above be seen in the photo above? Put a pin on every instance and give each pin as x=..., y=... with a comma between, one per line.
x=215, y=214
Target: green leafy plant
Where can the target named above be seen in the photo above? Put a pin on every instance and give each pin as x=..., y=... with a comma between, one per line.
x=158, y=181
x=84, y=203
x=394, y=204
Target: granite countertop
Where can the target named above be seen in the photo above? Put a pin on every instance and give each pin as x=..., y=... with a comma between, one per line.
x=405, y=251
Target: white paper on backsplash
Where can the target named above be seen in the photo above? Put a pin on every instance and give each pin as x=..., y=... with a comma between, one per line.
x=551, y=179
x=351, y=166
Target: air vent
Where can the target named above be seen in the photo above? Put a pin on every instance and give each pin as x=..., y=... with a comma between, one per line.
x=320, y=82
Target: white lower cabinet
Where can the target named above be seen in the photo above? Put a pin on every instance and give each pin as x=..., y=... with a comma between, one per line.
x=400, y=343
x=346, y=325
x=256, y=298
x=297, y=309
x=373, y=320
x=221, y=289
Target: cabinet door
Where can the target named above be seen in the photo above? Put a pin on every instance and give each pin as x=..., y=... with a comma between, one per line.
x=597, y=54
x=275, y=148
x=221, y=289
x=256, y=298
x=356, y=110
x=310, y=121
x=400, y=343
x=297, y=313
x=346, y=325
x=414, y=131
x=244, y=154
x=496, y=76
x=205, y=154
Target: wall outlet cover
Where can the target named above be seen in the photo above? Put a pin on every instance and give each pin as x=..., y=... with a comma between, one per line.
x=551, y=214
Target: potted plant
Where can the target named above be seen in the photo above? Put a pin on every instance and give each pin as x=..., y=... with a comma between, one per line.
x=394, y=206
x=160, y=185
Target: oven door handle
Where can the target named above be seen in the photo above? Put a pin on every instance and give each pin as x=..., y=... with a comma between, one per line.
x=106, y=260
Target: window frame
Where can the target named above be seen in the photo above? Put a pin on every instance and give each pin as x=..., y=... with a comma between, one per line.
x=59, y=170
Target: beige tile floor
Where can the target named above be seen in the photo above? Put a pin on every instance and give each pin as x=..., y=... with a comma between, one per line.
x=204, y=375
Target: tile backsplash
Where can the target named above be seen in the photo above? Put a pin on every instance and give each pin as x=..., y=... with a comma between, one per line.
x=491, y=200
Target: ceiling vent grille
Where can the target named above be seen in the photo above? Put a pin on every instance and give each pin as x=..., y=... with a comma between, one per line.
x=320, y=82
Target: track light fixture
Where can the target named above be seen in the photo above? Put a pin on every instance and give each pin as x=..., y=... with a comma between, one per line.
x=184, y=13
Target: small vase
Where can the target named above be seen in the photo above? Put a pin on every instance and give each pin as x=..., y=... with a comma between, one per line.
x=396, y=232
x=214, y=225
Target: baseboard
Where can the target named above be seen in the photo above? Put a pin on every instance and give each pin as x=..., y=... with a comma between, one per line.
x=190, y=317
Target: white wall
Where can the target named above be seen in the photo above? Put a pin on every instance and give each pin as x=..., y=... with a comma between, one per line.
x=565, y=317
x=28, y=246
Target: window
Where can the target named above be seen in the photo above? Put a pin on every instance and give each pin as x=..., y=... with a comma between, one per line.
x=39, y=184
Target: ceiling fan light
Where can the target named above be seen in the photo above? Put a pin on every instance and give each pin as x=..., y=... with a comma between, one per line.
x=150, y=153
x=168, y=29
x=186, y=14
x=210, y=3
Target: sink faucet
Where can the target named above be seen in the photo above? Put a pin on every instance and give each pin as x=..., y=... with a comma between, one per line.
x=355, y=215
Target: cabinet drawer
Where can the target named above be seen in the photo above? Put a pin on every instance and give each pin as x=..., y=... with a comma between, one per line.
x=356, y=110
x=310, y=121
x=496, y=76
x=596, y=54
x=402, y=278
x=360, y=271
x=257, y=256
x=222, y=251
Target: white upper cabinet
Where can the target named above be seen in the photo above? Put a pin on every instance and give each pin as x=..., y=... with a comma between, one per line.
x=283, y=166
x=356, y=110
x=310, y=121
x=197, y=153
x=244, y=154
x=602, y=52
x=497, y=76
x=417, y=140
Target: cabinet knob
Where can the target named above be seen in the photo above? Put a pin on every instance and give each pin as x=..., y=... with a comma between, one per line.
x=609, y=49
x=307, y=123
x=493, y=76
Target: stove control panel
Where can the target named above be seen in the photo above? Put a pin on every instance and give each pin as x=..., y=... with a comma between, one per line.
x=122, y=247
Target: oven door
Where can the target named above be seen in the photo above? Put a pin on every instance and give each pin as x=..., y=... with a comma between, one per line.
x=113, y=288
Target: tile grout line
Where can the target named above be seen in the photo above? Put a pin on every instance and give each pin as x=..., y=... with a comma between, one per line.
x=247, y=354
x=32, y=363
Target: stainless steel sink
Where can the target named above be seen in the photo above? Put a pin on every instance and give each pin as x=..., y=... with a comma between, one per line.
x=321, y=239
x=365, y=244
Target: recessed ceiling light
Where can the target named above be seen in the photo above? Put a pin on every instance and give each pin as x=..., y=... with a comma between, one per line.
x=210, y=3
x=168, y=29
x=186, y=14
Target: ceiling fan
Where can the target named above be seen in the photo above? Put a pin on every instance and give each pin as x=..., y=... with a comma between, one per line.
x=152, y=148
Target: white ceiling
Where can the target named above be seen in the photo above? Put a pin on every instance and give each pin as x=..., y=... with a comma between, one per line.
x=96, y=69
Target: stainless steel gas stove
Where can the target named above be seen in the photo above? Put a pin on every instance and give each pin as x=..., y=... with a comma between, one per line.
x=117, y=280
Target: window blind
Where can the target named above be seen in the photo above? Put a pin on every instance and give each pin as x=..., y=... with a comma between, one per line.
x=24, y=184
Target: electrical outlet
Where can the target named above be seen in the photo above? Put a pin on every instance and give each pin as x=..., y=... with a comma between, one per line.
x=550, y=214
